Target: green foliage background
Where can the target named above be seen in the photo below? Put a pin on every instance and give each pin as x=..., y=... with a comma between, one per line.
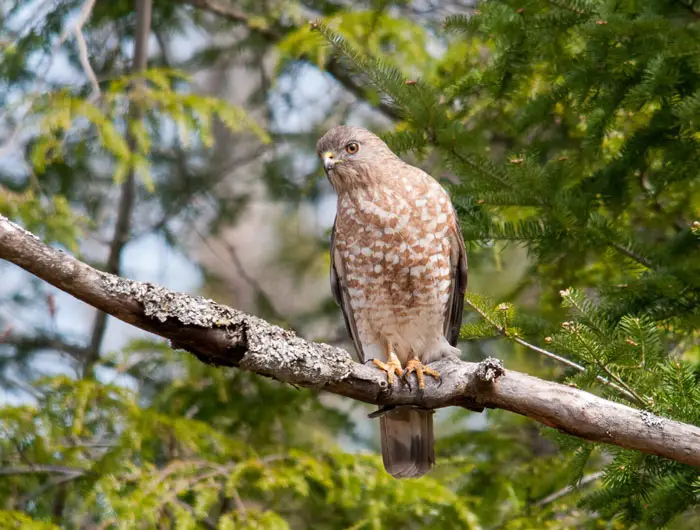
x=569, y=132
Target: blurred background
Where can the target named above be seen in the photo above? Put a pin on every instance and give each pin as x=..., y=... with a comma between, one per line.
x=220, y=194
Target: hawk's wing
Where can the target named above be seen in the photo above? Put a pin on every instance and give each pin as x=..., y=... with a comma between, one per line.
x=339, y=288
x=458, y=274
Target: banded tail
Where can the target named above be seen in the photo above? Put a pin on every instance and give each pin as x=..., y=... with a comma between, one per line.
x=408, y=445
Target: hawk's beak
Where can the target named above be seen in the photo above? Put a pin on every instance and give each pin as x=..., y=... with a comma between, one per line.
x=329, y=161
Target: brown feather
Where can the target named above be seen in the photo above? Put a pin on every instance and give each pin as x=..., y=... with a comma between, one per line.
x=455, y=305
x=408, y=444
x=339, y=288
x=381, y=252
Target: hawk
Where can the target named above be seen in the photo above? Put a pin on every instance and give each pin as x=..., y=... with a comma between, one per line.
x=399, y=274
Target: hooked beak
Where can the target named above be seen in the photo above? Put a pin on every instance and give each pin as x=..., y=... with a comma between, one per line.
x=329, y=161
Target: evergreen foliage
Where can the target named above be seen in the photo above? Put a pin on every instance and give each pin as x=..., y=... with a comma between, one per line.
x=572, y=128
x=596, y=104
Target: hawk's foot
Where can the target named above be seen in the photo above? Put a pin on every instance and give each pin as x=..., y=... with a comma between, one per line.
x=414, y=365
x=392, y=367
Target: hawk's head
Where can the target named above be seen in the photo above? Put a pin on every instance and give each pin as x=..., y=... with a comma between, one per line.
x=354, y=157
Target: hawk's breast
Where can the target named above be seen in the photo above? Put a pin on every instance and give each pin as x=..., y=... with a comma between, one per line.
x=396, y=254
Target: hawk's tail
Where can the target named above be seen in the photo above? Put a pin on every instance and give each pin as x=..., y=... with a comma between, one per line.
x=408, y=445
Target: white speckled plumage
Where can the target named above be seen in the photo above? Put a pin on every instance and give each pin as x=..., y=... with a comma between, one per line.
x=398, y=297
x=398, y=271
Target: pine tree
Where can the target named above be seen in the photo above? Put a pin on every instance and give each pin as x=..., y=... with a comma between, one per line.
x=573, y=129
x=146, y=437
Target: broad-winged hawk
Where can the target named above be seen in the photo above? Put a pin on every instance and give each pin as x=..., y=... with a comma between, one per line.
x=399, y=273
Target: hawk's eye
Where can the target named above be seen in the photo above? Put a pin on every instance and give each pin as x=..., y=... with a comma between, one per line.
x=352, y=148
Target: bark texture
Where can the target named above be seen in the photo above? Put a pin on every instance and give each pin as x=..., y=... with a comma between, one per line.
x=222, y=336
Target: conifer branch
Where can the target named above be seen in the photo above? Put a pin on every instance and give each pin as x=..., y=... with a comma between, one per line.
x=571, y=364
x=619, y=383
x=588, y=479
x=43, y=469
x=569, y=6
x=384, y=77
x=632, y=254
x=222, y=336
x=229, y=12
x=490, y=172
x=273, y=35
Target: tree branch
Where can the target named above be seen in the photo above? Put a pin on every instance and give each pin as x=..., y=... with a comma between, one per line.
x=82, y=47
x=222, y=336
x=43, y=468
x=504, y=333
x=690, y=6
x=333, y=66
x=231, y=13
x=43, y=341
x=549, y=499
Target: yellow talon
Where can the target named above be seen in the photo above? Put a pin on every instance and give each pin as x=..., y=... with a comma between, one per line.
x=414, y=365
x=392, y=367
